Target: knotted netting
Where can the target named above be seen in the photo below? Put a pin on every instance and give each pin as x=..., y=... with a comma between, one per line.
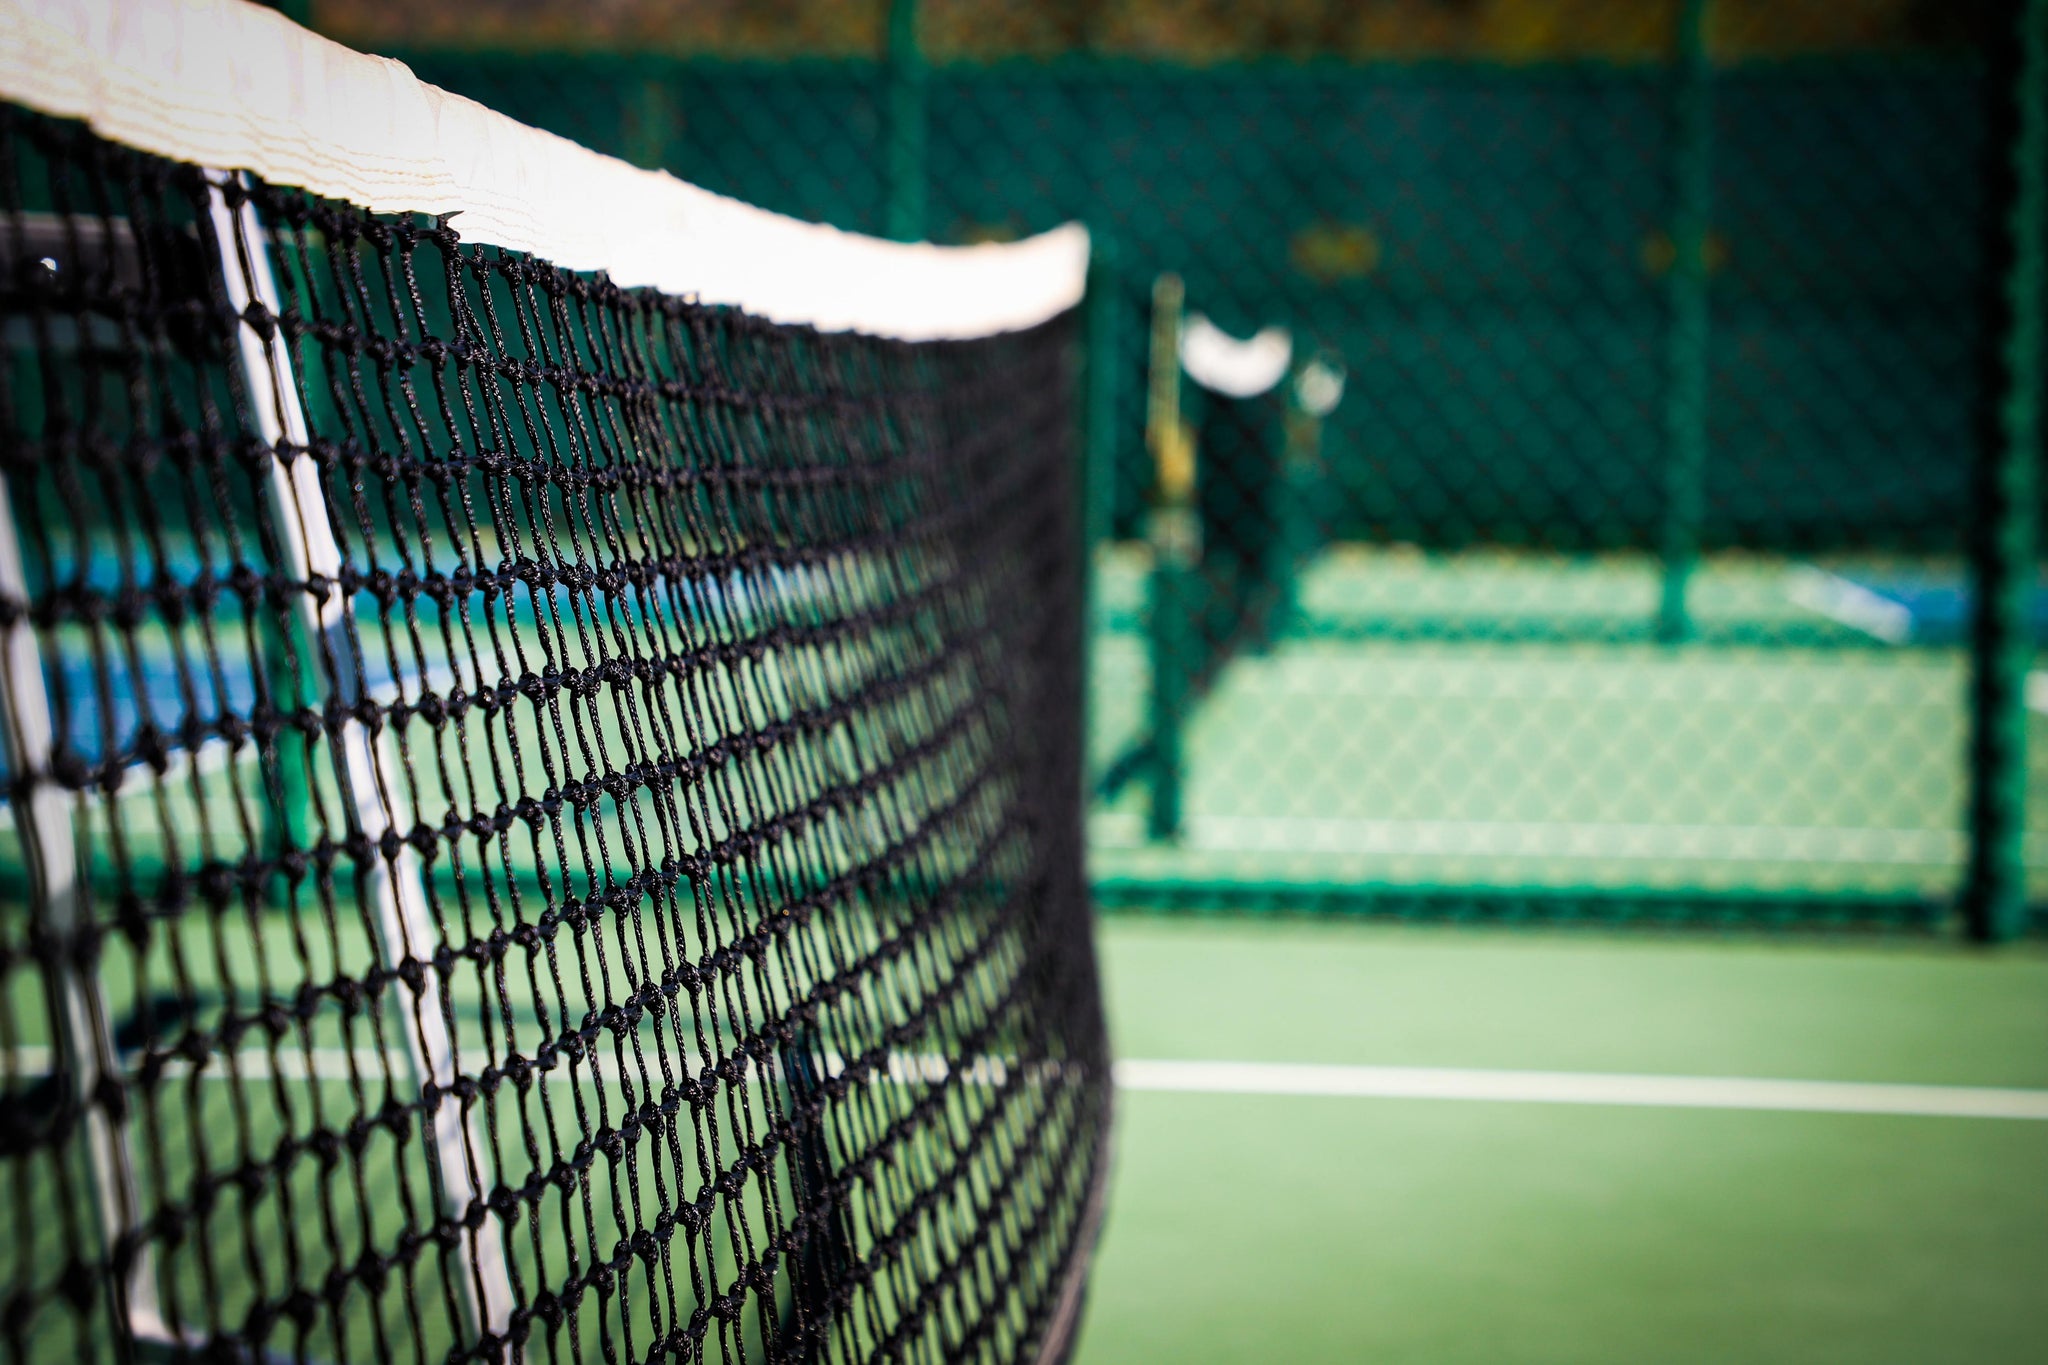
x=542, y=816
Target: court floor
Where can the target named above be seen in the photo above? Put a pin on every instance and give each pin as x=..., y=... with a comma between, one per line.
x=1814, y=747
x=1304, y=1226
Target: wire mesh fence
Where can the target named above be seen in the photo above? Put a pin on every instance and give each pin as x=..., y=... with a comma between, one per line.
x=1685, y=377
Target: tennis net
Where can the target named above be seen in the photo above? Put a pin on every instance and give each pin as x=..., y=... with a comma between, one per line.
x=542, y=713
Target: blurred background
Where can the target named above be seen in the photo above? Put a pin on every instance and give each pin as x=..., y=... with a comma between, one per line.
x=1565, y=602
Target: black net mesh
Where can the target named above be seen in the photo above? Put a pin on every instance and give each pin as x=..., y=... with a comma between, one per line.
x=542, y=820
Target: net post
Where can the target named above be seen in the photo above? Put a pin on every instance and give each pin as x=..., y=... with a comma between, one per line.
x=904, y=115
x=85, y=1051
x=1174, y=535
x=1994, y=898
x=1685, y=381
x=373, y=803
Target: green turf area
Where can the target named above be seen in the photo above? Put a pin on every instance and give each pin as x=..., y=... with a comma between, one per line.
x=1289, y=1228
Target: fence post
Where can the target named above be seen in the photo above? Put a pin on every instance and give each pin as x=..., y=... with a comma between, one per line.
x=2007, y=479
x=1168, y=614
x=1174, y=535
x=903, y=127
x=1685, y=380
x=1313, y=391
x=1098, y=454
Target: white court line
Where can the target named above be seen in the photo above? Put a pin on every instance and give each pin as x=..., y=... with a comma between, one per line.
x=1277, y=1078
x=1817, y=844
x=1636, y=678
x=1850, y=604
x=2037, y=691
x=1577, y=1087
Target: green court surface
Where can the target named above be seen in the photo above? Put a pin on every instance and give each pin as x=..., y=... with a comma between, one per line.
x=1486, y=723
x=1265, y=1227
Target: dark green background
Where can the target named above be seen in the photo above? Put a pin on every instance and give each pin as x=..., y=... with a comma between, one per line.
x=1505, y=346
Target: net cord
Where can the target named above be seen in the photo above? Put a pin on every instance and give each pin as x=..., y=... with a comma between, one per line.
x=228, y=83
x=373, y=802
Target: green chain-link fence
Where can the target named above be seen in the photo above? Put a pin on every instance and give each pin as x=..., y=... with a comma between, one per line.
x=1686, y=392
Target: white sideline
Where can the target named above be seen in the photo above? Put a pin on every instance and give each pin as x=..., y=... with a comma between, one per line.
x=1576, y=1087
x=1553, y=839
x=1250, y=1078
x=228, y=84
x=1850, y=604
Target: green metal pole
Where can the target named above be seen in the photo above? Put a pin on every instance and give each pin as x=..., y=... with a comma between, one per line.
x=1685, y=382
x=1104, y=323
x=1287, y=507
x=1098, y=447
x=1169, y=608
x=1313, y=392
x=1995, y=889
x=904, y=116
x=1176, y=547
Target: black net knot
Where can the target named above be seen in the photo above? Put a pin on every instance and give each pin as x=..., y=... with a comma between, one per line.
x=430, y=709
x=358, y=847
x=358, y=1134
x=302, y=1307
x=129, y=608
x=192, y=732
x=233, y=728
x=217, y=883
x=110, y=1096
x=78, y=1283
x=132, y=917
x=69, y=769
x=265, y=723
x=260, y=320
